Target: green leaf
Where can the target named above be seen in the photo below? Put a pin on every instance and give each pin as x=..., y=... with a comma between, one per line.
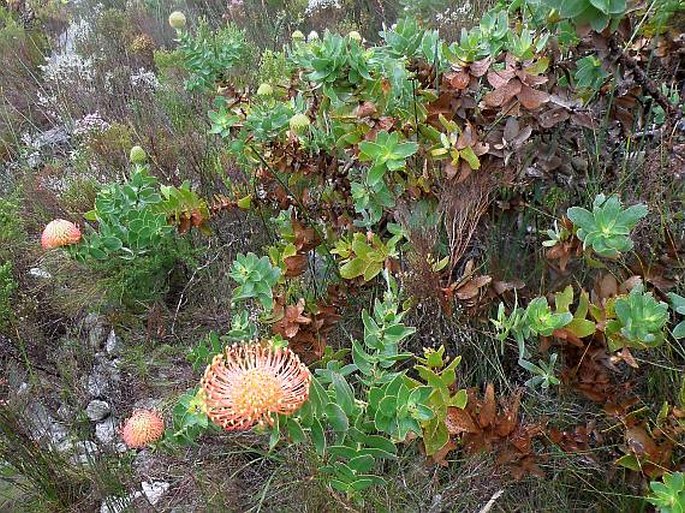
x=112, y=244
x=382, y=444
x=343, y=393
x=295, y=431
x=460, y=399
x=275, y=434
x=361, y=464
x=361, y=359
x=629, y=461
x=677, y=303
x=318, y=437
x=569, y=8
x=353, y=268
x=563, y=300
x=679, y=330
x=610, y=6
x=372, y=270
x=581, y=327
x=435, y=436
x=318, y=397
x=376, y=174
x=388, y=405
x=337, y=418
x=469, y=156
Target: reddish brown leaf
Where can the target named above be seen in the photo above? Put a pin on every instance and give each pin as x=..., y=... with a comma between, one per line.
x=531, y=98
x=289, y=324
x=460, y=421
x=499, y=79
x=640, y=443
x=480, y=68
x=564, y=334
x=584, y=120
x=506, y=425
x=553, y=117
x=626, y=356
x=306, y=239
x=450, y=170
x=470, y=289
x=501, y=287
x=459, y=80
x=295, y=265
x=606, y=287
x=503, y=94
x=365, y=109
x=487, y=412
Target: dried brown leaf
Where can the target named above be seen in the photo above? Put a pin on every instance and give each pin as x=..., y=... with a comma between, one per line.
x=460, y=421
x=480, y=68
x=487, y=412
x=531, y=98
x=458, y=79
x=553, y=117
x=503, y=94
x=499, y=79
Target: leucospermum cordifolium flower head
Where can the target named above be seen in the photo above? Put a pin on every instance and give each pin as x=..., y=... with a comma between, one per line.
x=60, y=233
x=246, y=384
x=142, y=428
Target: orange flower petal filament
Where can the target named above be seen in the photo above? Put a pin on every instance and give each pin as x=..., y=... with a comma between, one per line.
x=142, y=428
x=246, y=384
x=60, y=233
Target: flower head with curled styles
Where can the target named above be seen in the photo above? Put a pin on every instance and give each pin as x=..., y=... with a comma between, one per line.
x=247, y=384
x=60, y=233
x=142, y=428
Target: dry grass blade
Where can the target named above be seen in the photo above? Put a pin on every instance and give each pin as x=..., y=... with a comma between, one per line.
x=462, y=205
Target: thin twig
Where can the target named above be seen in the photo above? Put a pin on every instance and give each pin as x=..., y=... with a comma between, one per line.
x=488, y=506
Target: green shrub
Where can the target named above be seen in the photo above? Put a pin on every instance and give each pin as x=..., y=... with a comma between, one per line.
x=212, y=57
x=12, y=233
x=668, y=496
x=7, y=288
x=607, y=228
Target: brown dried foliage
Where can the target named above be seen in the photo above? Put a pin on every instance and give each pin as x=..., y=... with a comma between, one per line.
x=494, y=425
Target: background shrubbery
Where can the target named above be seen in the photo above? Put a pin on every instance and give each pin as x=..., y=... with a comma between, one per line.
x=467, y=220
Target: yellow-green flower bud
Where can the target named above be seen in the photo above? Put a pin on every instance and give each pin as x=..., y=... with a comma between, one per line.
x=137, y=155
x=298, y=36
x=177, y=20
x=265, y=90
x=355, y=36
x=299, y=123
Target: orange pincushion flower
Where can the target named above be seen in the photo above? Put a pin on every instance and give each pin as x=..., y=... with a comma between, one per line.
x=142, y=428
x=248, y=383
x=60, y=233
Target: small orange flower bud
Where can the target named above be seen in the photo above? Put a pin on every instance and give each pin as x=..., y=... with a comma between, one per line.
x=142, y=428
x=60, y=233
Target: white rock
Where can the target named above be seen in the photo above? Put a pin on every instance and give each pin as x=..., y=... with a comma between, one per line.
x=116, y=504
x=97, y=410
x=106, y=432
x=37, y=272
x=104, y=378
x=43, y=425
x=94, y=325
x=154, y=490
x=113, y=346
x=85, y=451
